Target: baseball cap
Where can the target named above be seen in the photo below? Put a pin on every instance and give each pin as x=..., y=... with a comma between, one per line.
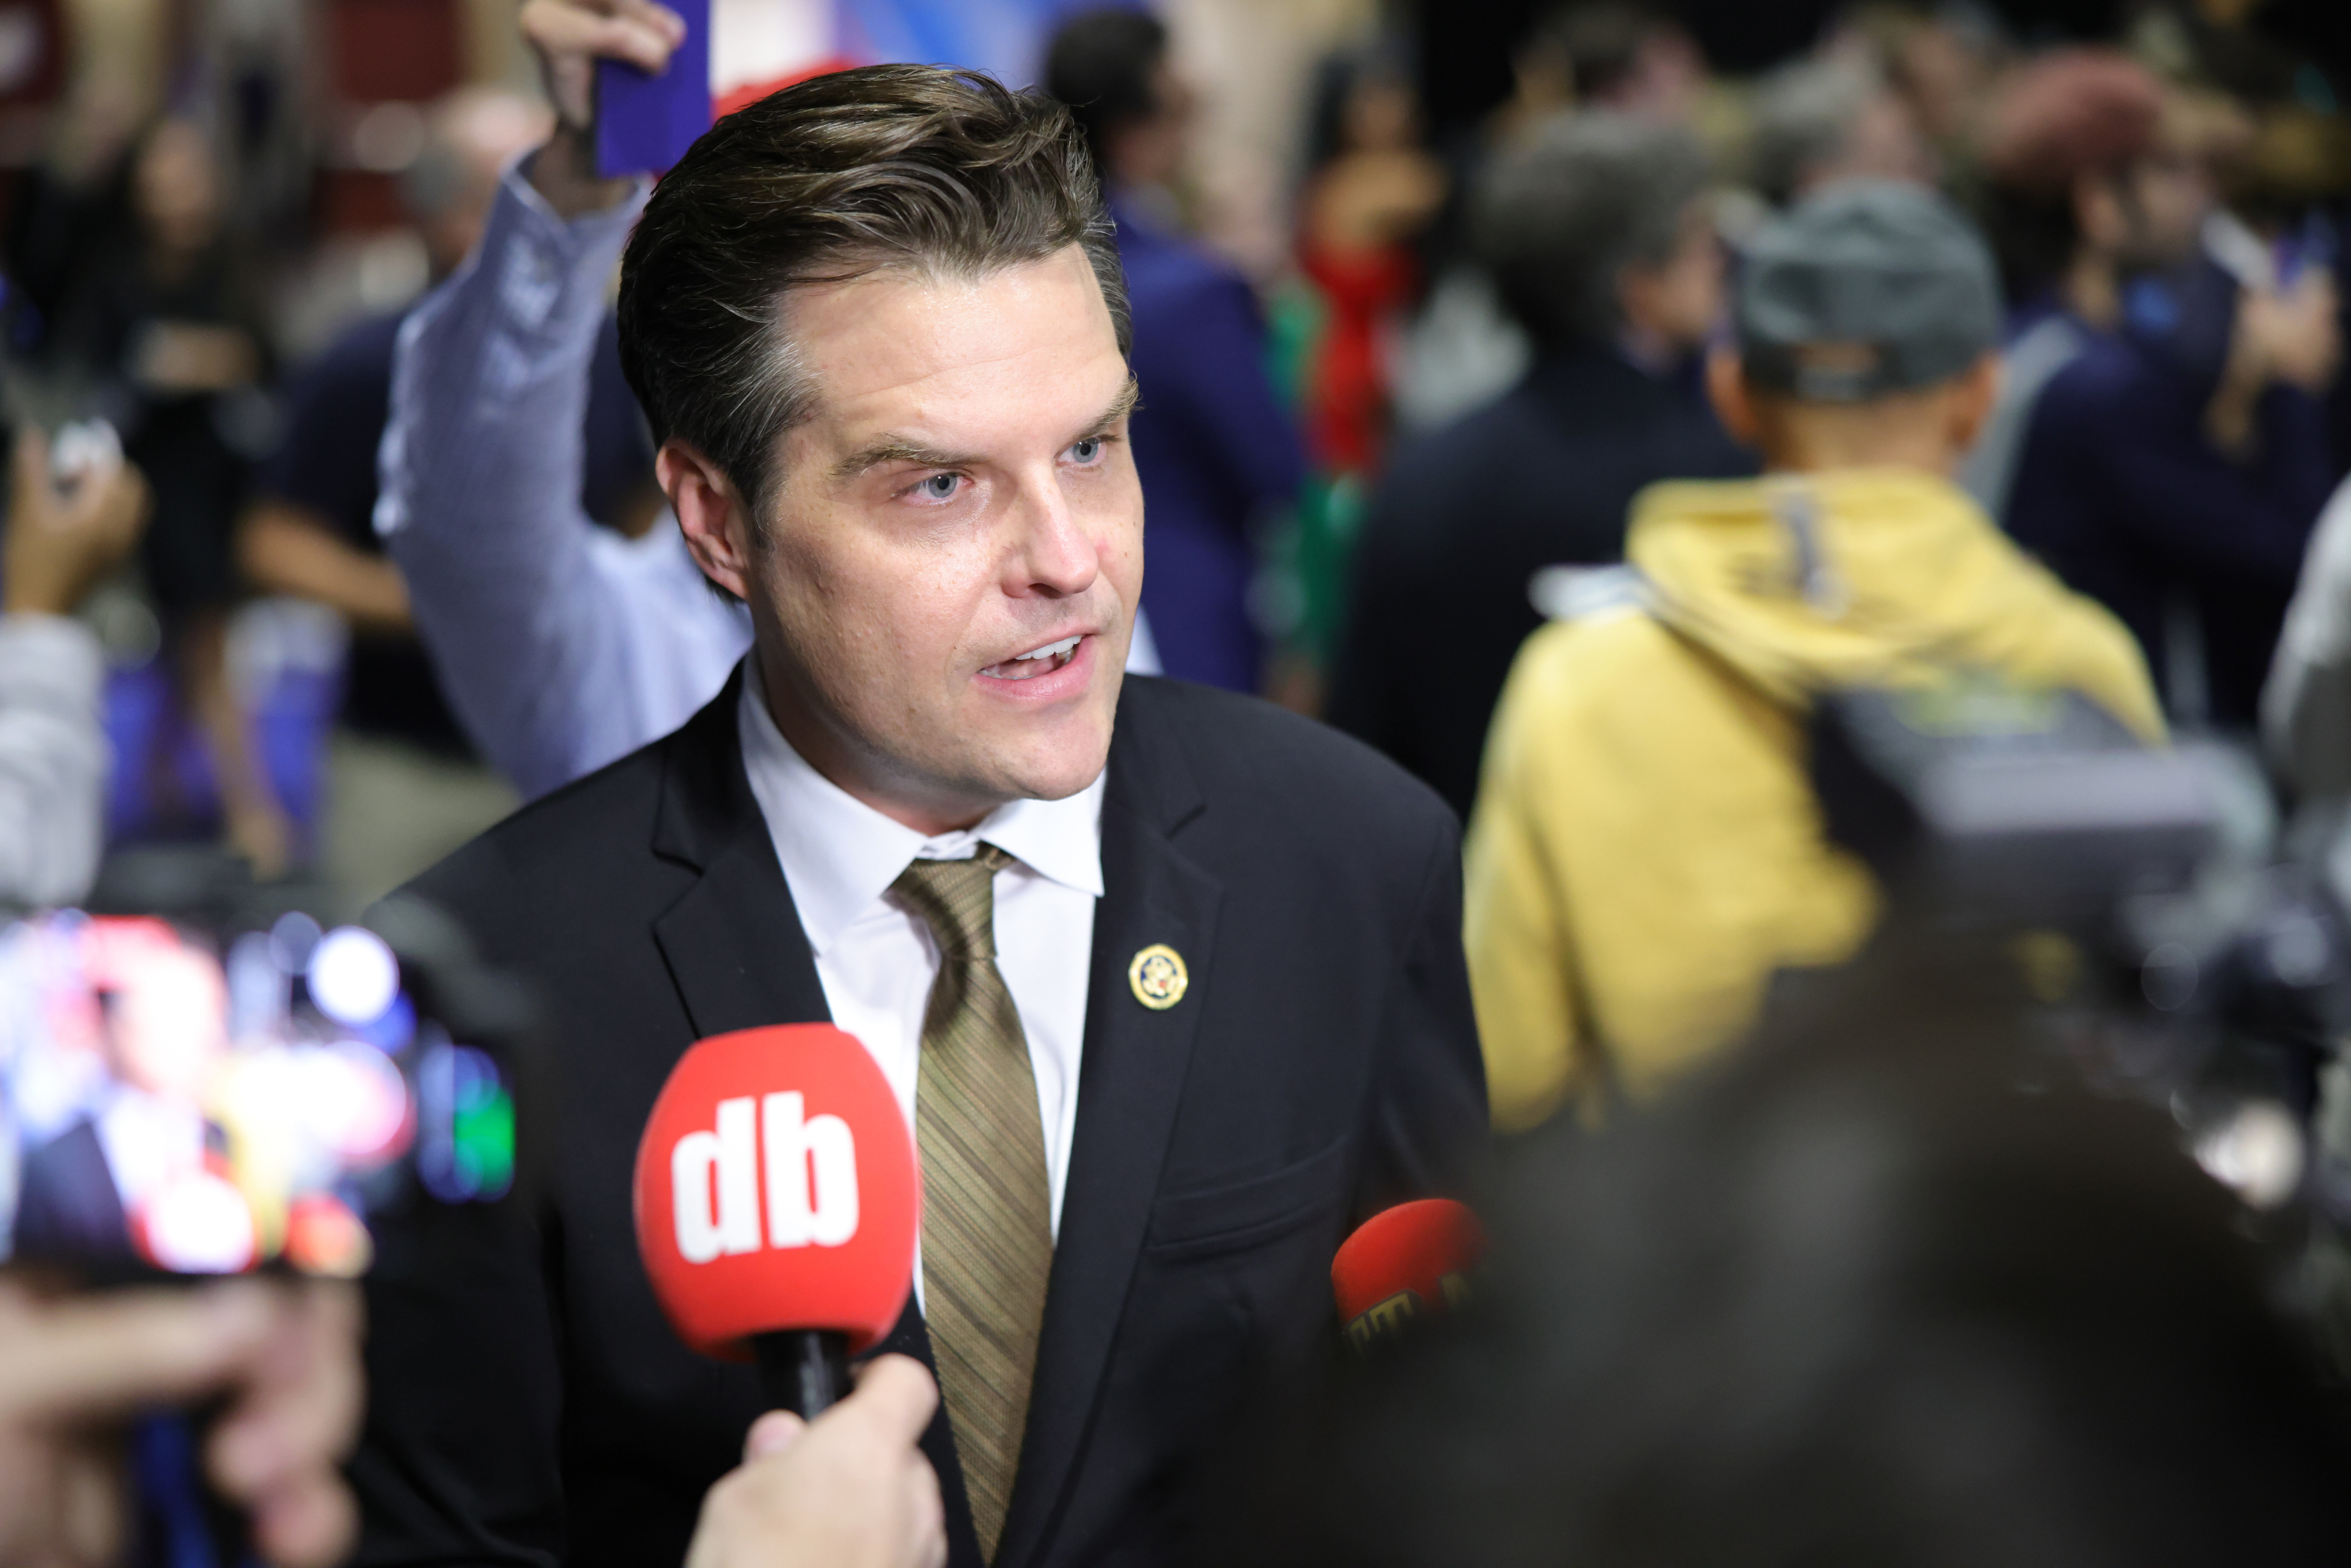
x=1867, y=287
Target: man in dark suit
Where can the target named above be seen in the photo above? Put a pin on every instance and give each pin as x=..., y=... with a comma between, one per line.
x=1169, y=983
x=1598, y=233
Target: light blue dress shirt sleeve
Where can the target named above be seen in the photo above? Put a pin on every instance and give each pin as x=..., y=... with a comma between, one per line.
x=53, y=758
x=561, y=645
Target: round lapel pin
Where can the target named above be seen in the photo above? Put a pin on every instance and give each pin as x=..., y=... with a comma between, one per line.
x=1158, y=977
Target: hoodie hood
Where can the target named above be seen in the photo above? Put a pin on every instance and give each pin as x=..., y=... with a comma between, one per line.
x=1869, y=577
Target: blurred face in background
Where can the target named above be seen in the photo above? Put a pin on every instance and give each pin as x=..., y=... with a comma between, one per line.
x=1945, y=74
x=168, y=1027
x=1886, y=145
x=1881, y=142
x=1150, y=150
x=2148, y=215
x=176, y=188
x=2162, y=201
x=1382, y=114
x=470, y=139
x=1671, y=308
x=1667, y=76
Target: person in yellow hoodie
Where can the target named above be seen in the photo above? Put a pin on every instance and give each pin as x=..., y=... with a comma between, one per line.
x=1647, y=848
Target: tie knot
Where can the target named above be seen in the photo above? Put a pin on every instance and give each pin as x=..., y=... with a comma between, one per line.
x=957, y=899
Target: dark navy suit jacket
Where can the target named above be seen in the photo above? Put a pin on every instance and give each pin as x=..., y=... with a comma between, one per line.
x=1216, y=450
x=67, y=1206
x=528, y=1404
x=2119, y=491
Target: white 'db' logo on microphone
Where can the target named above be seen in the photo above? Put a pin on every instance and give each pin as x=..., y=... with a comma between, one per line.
x=811, y=1188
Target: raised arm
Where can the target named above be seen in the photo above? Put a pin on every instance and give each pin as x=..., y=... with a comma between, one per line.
x=560, y=646
x=52, y=757
x=52, y=673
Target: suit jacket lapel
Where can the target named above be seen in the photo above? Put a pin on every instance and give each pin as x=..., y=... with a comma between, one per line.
x=736, y=950
x=1129, y=1086
x=734, y=943
x=739, y=959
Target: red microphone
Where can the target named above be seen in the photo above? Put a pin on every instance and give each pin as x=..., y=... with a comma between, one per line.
x=1403, y=1264
x=777, y=1205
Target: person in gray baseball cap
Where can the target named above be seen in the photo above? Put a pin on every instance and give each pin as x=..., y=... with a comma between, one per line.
x=1646, y=849
x=1872, y=289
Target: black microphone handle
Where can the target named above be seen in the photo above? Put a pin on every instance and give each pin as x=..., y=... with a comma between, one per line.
x=804, y=1371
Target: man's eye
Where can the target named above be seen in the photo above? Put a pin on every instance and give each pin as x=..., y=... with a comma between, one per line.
x=1086, y=451
x=939, y=487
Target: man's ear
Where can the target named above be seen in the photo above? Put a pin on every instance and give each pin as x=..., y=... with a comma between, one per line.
x=1973, y=393
x=711, y=513
x=1726, y=388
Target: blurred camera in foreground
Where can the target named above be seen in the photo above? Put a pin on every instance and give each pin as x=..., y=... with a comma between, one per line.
x=1934, y=1268
x=1891, y=1286
x=210, y=1101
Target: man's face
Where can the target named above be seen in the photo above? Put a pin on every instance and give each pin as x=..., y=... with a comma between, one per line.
x=1677, y=302
x=963, y=496
x=1885, y=143
x=2167, y=195
x=1150, y=152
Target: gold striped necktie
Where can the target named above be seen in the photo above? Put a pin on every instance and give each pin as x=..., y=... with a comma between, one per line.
x=988, y=1235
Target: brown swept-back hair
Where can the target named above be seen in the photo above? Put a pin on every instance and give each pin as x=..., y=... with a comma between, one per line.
x=937, y=172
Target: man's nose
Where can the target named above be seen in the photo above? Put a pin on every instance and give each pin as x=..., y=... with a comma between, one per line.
x=1056, y=557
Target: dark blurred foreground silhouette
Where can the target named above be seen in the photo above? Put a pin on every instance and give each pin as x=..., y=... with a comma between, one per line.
x=1890, y=1289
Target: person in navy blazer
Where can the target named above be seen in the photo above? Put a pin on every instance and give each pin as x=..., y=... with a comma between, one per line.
x=1219, y=454
x=940, y=544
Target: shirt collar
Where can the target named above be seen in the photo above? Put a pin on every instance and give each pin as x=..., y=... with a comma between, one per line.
x=839, y=854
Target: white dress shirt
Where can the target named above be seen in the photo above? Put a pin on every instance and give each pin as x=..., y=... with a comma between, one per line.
x=559, y=644
x=876, y=959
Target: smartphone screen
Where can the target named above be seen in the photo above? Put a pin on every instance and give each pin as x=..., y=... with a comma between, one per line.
x=644, y=123
x=193, y=1102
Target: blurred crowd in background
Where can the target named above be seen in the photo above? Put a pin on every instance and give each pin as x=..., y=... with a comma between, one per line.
x=1433, y=307
x=1422, y=300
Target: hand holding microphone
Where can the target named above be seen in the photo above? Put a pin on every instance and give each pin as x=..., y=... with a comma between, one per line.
x=847, y=1490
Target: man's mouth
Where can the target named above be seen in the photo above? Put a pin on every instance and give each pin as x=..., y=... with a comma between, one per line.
x=1037, y=662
